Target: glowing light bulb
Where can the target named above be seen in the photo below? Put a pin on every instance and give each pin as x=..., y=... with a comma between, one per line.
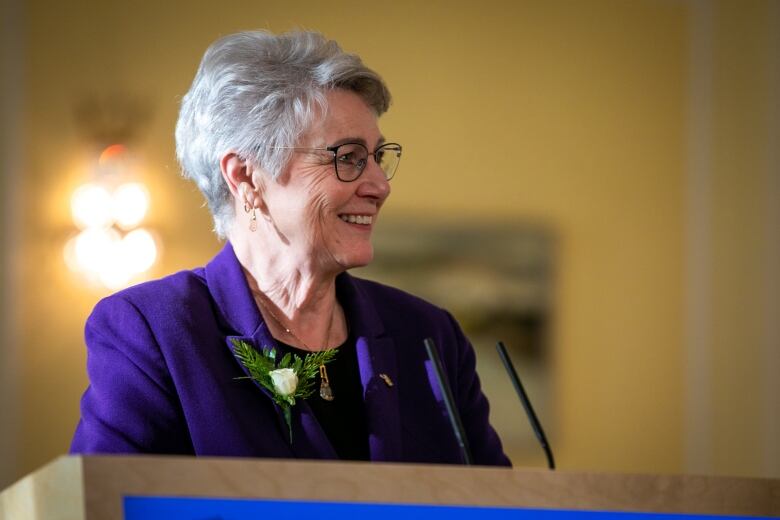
x=93, y=249
x=90, y=206
x=131, y=201
x=139, y=251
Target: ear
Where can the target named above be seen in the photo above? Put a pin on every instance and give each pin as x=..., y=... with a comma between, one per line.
x=237, y=173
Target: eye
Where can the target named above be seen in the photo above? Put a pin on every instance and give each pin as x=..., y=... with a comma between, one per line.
x=352, y=155
x=347, y=158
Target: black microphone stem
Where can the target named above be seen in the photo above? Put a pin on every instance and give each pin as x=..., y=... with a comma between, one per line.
x=529, y=410
x=449, y=401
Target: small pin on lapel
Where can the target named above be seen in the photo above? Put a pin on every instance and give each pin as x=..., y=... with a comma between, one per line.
x=386, y=379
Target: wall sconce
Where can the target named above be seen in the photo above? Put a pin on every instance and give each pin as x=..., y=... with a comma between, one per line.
x=111, y=248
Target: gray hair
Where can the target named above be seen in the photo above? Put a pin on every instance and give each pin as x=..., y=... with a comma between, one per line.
x=256, y=93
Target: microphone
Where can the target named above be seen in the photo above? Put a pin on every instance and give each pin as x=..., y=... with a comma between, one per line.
x=529, y=410
x=449, y=401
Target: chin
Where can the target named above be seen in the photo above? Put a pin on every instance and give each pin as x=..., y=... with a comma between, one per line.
x=357, y=258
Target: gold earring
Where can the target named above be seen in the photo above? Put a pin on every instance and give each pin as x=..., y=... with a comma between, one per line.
x=253, y=221
x=252, y=217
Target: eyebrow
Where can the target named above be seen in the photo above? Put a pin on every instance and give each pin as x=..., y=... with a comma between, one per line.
x=360, y=140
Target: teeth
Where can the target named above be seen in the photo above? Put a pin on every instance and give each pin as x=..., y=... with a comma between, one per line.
x=357, y=219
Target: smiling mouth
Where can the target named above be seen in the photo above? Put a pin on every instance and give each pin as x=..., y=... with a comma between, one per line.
x=358, y=219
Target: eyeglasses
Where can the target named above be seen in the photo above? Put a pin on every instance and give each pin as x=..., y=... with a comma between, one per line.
x=350, y=159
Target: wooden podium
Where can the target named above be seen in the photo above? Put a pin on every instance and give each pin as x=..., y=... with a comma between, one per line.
x=118, y=487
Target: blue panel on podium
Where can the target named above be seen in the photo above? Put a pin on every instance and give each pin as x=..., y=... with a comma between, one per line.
x=167, y=508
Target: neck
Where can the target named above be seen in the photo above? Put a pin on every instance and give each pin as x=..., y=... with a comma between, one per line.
x=293, y=294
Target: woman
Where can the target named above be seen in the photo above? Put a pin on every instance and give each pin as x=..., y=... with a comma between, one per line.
x=280, y=134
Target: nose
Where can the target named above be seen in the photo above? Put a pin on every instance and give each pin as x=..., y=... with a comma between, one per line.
x=373, y=183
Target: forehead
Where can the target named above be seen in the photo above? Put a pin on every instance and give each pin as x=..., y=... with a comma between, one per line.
x=347, y=118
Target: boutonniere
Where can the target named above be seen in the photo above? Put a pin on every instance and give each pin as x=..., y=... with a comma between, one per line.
x=288, y=379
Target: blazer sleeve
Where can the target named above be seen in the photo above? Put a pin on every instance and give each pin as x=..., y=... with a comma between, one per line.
x=130, y=405
x=484, y=443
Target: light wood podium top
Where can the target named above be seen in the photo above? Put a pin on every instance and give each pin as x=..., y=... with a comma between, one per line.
x=93, y=487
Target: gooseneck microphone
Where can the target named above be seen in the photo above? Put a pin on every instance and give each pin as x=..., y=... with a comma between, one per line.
x=449, y=401
x=529, y=410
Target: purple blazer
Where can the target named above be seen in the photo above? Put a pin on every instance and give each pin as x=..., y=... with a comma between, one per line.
x=163, y=375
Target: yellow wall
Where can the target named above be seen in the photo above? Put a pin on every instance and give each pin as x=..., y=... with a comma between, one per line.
x=575, y=114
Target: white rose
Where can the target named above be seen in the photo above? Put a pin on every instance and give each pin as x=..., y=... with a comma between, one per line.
x=285, y=381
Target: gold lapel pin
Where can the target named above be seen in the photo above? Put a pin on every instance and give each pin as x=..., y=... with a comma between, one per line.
x=386, y=379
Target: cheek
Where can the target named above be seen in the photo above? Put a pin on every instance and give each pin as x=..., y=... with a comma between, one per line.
x=317, y=210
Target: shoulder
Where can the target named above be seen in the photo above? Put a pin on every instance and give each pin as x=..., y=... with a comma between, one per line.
x=185, y=292
x=177, y=285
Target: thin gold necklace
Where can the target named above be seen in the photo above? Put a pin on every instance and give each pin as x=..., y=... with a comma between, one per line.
x=326, y=392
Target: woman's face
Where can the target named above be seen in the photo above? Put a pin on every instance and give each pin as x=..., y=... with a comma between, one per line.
x=313, y=212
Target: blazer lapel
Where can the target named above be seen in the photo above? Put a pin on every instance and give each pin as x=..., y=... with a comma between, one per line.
x=378, y=371
x=228, y=286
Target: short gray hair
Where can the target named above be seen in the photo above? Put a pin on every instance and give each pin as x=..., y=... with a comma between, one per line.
x=255, y=93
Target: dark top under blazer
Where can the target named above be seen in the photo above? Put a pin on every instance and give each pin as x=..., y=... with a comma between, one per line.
x=163, y=376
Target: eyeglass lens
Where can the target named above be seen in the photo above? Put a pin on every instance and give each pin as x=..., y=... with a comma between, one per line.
x=352, y=158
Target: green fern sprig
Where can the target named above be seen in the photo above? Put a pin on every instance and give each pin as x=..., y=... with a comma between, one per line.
x=261, y=364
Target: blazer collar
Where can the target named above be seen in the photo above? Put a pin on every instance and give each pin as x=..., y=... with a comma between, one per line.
x=230, y=290
x=378, y=369
x=376, y=358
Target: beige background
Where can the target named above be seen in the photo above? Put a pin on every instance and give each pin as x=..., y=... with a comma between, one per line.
x=645, y=133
